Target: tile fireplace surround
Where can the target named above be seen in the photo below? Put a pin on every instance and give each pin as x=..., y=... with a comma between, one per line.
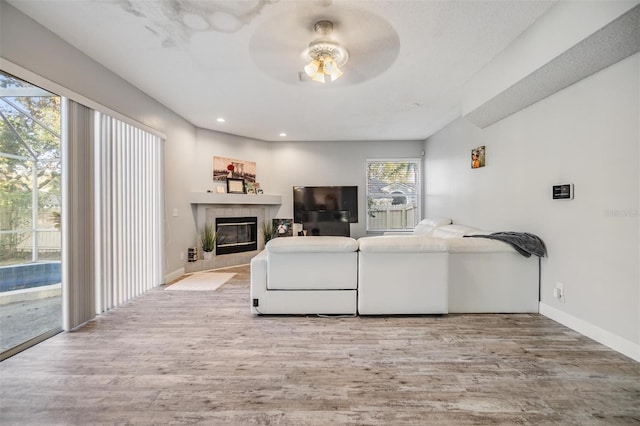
x=206, y=207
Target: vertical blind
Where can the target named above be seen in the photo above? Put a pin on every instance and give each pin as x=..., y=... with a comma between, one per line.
x=78, y=260
x=128, y=211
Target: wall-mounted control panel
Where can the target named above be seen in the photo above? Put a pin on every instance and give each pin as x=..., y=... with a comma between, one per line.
x=563, y=192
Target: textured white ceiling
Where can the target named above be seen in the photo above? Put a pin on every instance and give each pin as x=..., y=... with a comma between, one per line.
x=241, y=60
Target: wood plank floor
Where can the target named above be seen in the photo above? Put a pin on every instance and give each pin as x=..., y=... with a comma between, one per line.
x=201, y=358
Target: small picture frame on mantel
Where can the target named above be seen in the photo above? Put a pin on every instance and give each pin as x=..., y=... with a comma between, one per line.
x=236, y=186
x=250, y=188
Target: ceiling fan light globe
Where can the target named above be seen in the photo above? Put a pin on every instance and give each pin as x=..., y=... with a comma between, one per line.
x=312, y=68
x=319, y=77
x=328, y=65
x=336, y=75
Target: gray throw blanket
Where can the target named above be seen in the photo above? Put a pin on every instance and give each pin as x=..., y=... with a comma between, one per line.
x=526, y=244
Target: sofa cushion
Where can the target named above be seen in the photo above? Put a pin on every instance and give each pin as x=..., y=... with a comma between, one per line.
x=453, y=231
x=426, y=226
x=435, y=221
x=311, y=244
x=423, y=229
x=401, y=244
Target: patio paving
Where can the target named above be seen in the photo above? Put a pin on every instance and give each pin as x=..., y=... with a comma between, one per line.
x=21, y=321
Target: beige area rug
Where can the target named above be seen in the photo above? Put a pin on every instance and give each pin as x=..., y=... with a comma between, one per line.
x=201, y=281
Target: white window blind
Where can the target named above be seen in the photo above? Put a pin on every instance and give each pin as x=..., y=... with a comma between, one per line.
x=128, y=211
x=393, y=194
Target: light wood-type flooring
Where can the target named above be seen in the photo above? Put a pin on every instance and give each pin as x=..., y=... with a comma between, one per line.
x=179, y=358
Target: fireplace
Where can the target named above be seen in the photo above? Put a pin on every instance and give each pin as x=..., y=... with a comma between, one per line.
x=236, y=234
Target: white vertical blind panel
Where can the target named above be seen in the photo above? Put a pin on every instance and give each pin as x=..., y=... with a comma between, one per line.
x=98, y=216
x=131, y=205
x=78, y=257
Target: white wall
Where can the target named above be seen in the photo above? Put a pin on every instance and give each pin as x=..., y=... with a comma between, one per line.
x=331, y=163
x=587, y=134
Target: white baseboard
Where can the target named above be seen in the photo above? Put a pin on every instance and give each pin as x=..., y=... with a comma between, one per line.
x=615, y=342
x=174, y=275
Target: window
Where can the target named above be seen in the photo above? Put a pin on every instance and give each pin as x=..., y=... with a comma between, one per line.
x=393, y=194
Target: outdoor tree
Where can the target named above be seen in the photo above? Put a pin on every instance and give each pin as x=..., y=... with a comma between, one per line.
x=29, y=161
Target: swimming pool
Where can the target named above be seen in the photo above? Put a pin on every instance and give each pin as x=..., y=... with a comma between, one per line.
x=27, y=275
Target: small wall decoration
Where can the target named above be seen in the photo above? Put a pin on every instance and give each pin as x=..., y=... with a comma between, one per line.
x=477, y=157
x=283, y=227
x=224, y=168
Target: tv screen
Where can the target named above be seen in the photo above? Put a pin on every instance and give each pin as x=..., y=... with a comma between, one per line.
x=325, y=198
x=329, y=222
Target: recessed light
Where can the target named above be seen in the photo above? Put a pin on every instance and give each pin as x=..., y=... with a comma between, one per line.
x=220, y=120
x=283, y=134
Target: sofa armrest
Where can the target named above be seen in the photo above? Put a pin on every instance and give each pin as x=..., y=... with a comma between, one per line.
x=258, y=278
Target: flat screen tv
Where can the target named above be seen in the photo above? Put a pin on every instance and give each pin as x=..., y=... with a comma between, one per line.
x=323, y=199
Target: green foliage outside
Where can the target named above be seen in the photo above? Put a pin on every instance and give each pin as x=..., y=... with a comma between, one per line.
x=392, y=171
x=29, y=140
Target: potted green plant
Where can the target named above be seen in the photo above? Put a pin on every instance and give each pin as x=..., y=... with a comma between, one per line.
x=268, y=231
x=208, y=239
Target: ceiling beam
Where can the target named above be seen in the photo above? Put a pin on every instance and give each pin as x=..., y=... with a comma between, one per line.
x=610, y=44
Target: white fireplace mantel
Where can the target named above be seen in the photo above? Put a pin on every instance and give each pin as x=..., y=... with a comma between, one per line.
x=215, y=198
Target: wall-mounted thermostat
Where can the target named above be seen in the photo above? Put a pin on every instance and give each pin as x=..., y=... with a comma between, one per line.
x=563, y=192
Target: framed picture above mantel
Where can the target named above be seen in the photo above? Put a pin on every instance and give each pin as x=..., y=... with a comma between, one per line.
x=236, y=186
x=224, y=168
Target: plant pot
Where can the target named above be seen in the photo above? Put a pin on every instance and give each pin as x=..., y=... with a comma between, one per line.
x=208, y=255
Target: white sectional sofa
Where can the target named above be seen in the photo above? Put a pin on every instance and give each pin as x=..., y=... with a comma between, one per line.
x=305, y=275
x=436, y=269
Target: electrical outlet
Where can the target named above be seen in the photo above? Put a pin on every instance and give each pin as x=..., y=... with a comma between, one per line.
x=558, y=292
x=181, y=255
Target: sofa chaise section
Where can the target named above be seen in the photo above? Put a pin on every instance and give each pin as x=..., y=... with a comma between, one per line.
x=488, y=276
x=305, y=275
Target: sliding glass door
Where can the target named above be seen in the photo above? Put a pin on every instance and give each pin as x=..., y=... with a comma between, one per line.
x=30, y=211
